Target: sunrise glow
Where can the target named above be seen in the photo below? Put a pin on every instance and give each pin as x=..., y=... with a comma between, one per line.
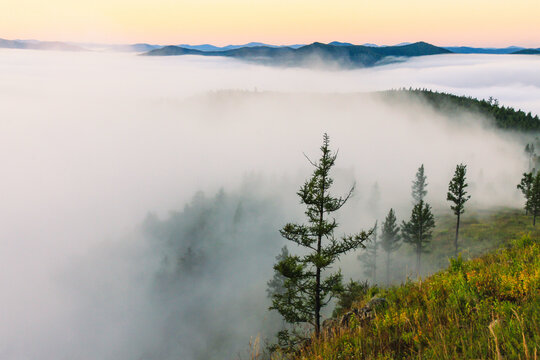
x=445, y=23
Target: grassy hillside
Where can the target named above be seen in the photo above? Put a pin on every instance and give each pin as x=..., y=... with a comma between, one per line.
x=505, y=118
x=480, y=232
x=486, y=308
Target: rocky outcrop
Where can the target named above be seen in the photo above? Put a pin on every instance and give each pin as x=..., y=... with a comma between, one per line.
x=359, y=315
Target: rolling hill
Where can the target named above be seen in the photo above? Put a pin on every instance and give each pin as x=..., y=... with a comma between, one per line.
x=502, y=117
x=475, y=50
x=527, y=52
x=209, y=47
x=351, y=56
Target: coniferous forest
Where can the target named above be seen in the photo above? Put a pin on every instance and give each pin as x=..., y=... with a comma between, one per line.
x=385, y=311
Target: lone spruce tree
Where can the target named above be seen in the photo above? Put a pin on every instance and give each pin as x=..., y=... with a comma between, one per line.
x=458, y=196
x=308, y=287
x=390, y=239
x=526, y=189
x=417, y=231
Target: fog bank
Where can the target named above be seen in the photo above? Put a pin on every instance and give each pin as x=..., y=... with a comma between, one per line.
x=92, y=142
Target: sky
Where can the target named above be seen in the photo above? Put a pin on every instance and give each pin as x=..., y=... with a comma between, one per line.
x=441, y=22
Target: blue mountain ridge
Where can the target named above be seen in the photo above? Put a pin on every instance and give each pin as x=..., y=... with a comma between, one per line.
x=342, y=55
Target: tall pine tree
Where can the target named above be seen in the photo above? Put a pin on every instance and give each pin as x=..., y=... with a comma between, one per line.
x=419, y=186
x=535, y=197
x=457, y=194
x=526, y=189
x=308, y=286
x=369, y=256
x=418, y=230
x=390, y=239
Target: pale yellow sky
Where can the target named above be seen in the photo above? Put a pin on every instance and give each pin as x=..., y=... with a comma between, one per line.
x=441, y=22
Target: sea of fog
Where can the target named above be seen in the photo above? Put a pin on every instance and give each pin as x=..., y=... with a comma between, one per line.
x=91, y=143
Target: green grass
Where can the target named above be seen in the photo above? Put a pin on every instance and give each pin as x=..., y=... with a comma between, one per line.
x=485, y=308
x=484, y=305
x=480, y=231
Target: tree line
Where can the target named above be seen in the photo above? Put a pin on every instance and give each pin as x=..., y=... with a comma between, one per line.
x=530, y=185
x=503, y=117
x=304, y=284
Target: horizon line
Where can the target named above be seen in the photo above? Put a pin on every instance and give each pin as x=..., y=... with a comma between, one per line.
x=265, y=43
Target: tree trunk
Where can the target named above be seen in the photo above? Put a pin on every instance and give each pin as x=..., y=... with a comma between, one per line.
x=418, y=253
x=318, y=273
x=534, y=218
x=318, y=290
x=419, y=248
x=375, y=264
x=388, y=268
x=457, y=234
x=318, y=303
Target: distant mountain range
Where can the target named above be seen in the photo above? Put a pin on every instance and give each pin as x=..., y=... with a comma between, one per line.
x=342, y=54
x=473, y=50
x=130, y=47
x=208, y=47
x=39, y=45
x=64, y=46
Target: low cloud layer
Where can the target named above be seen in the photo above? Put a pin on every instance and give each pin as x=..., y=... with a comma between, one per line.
x=91, y=143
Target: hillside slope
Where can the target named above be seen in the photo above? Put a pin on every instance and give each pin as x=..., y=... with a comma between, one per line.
x=527, y=52
x=503, y=117
x=485, y=308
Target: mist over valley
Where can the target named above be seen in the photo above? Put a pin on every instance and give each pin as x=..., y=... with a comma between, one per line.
x=143, y=196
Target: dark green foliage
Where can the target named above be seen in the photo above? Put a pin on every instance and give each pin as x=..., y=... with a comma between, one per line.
x=457, y=194
x=456, y=190
x=419, y=186
x=209, y=250
x=307, y=288
x=526, y=188
x=503, y=117
x=535, y=197
x=418, y=230
x=353, y=291
x=390, y=239
x=276, y=284
x=369, y=256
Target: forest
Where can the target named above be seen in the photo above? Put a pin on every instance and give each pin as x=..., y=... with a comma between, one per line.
x=457, y=313
x=312, y=310
x=503, y=117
